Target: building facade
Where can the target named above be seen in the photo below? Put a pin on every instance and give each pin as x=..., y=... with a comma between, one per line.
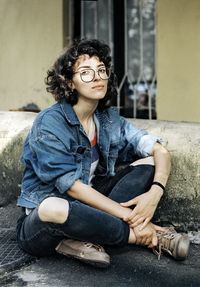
x=155, y=46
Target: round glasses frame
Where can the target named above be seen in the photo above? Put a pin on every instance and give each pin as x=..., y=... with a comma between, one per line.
x=87, y=75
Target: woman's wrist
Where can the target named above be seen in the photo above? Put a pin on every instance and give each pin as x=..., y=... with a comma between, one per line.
x=125, y=212
x=159, y=184
x=156, y=191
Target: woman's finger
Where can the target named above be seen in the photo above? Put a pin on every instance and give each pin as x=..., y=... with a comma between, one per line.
x=147, y=242
x=132, y=220
x=154, y=239
x=129, y=203
x=144, y=224
x=159, y=228
x=138, y=222
x=132, y=216
x=150, y=245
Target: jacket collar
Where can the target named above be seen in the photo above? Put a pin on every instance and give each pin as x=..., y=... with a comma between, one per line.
x=103, y=118
x=70, y=115
x=69, y=112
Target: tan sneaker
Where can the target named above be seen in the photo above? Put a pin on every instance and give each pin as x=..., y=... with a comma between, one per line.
x=84, y=251
x=175, y=244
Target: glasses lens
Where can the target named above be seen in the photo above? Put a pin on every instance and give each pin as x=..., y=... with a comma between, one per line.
x=104, y=73
x=87, y=75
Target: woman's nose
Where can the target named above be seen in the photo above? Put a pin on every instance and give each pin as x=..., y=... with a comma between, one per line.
x=96, y=76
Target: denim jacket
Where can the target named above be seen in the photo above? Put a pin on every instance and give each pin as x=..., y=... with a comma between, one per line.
x=57, y=151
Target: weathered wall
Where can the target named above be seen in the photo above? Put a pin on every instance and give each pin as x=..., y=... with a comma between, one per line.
x=179, y=205
x=31, y=37
x=181, y=201
x=31, y=34
x=178, y=60
x=14, y=127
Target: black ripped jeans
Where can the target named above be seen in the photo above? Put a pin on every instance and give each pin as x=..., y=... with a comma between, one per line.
x=84, y=222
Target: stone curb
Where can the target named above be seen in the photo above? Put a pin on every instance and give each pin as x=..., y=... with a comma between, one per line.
x=180, y=203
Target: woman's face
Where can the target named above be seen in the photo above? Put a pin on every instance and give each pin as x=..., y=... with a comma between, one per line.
x=97, y=87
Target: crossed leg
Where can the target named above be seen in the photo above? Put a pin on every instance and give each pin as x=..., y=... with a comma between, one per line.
x=56, y=210
x=45, y=227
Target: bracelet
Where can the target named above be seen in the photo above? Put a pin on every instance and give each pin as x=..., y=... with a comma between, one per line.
x=159, y=184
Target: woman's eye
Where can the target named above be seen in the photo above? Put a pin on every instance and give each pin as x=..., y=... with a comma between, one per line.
x=102, y=70
x=85, y=72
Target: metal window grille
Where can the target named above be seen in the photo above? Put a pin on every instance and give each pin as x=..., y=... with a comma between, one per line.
x=137, y=87
x=140, y=60
x=97, y=20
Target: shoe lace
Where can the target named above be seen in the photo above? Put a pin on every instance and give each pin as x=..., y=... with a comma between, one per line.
x=92, y=245
x=164, y=242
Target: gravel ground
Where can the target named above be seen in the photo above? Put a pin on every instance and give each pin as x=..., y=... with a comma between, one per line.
x=9, y=215
x=130, y=266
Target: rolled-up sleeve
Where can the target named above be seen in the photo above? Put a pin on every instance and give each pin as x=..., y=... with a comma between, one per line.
x=53, y=162
x=65, y=181
x=135, y=142
x=145, y=145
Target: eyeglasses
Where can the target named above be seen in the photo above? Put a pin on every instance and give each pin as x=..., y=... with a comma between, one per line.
x=87, y=75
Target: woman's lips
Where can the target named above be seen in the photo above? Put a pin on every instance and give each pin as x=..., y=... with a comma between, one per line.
x=98, y=87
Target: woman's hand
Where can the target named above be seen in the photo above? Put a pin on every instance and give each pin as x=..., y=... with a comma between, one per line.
x=146, y=204
x=147, y=236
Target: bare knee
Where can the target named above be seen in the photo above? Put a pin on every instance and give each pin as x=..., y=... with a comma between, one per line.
x=54, y=209
x=146, y=160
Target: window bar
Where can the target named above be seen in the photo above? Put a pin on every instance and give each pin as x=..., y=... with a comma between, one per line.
x=70, y=11
x=155, y=58
x=82, y=20
x=110, y=25
x=119, y=91
x=141, y=59
x=125, y=39
x=125, y=56
x=96, y=13
x=150, y=95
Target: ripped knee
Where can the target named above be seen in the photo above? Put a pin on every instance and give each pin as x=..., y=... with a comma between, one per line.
x=54, y=209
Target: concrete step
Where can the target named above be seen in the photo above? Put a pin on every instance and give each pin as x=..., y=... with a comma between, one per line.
x=180, y=204
x=14, y=127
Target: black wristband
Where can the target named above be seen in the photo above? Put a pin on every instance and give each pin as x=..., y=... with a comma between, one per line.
x=159, y=184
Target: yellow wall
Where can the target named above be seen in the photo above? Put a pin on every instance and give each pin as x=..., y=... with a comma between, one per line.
x=30, y=40
x=178, y=60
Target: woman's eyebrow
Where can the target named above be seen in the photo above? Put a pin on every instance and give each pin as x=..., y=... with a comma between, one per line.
x=89, y=67
x=84, y=67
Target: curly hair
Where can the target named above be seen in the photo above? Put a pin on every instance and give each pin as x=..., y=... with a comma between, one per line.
x=62, y=71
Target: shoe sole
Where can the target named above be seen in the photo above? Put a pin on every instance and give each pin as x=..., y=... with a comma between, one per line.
x=69, y=252
x=94, y=263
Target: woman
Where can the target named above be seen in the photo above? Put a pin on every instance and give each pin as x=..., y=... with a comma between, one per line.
x=72, y=198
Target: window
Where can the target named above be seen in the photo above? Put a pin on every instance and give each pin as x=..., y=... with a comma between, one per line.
x=129, y=28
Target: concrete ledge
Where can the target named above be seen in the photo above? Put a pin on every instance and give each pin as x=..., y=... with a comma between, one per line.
x=14, y=128
x=179, y=205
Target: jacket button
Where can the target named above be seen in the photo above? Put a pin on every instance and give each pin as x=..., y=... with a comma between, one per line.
x=80, y=150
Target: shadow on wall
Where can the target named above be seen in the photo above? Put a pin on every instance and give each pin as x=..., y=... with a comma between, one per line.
x=28, y=108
